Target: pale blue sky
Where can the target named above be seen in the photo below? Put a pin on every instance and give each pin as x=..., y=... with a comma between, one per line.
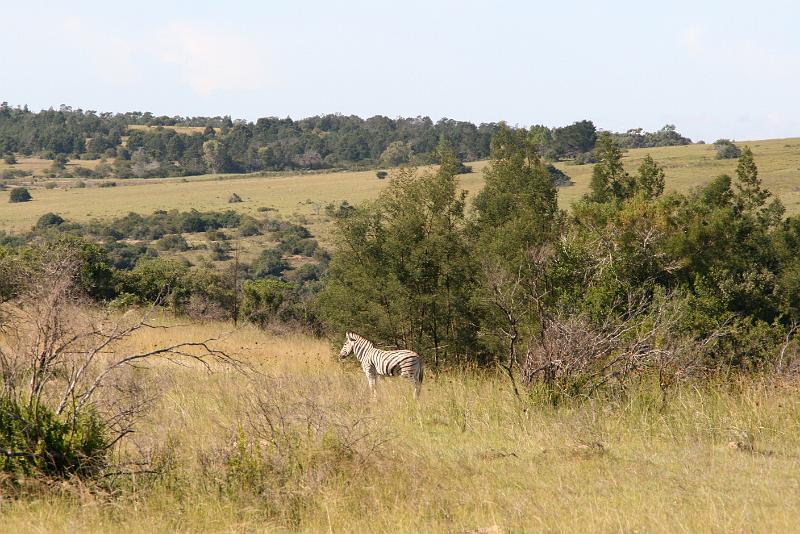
x=714, y=68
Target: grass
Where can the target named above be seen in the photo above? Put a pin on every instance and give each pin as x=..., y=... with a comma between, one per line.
x=38, y=166
x=467, y=457
x=302, y=197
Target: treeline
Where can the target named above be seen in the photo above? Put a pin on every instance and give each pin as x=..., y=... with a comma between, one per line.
x=631, y=280
x=221, y=145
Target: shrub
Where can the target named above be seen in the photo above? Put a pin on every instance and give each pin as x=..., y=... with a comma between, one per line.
x=585, y=158
x=270, y=263
x=560, y=178
x=39, y=441
x=20, y=194
x=726, y=149
x=47, y=220
x=11, y=174
x=249, y=227
x=264, y=301
x=10, y=159
x=83, y=172
x=175, y=242
x=463, y=169
x=220, y=251
x=381, y=174
x=107, y=184
x=50, y=185
x=216, y=235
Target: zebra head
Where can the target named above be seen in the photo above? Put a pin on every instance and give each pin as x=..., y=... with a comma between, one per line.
x=349, y=343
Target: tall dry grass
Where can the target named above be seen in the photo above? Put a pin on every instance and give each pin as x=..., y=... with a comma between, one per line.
x=295, y=444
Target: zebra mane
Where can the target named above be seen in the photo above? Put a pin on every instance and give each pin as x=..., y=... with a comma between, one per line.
x=355, y=337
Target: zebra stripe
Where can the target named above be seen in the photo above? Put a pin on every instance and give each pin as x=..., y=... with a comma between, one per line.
x=374, y=361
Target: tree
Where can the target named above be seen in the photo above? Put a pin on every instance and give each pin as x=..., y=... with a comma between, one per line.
x=19, y=194
x=403, y=272
x=518, y=206
x=214, y=156
x=650, y=181
x=610, y=181
x=515, y=213
x=397, y=153
x=750, y=196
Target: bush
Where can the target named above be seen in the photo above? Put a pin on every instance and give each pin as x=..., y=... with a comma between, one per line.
x=463, y=169
x=11, y=174
x=264, y=301
x=39, y=441
x=10, y=159
x=83, y=172
x=50, y=185
x=47, y=220
x=726, y=149
x=216, y=235
x=220, y=251
x=175, y=242
x=249, y=227
x=270, y=263
x=560, y=178
x=585, y=158
x=107, y=184
x=19, y=194
x=381, y=174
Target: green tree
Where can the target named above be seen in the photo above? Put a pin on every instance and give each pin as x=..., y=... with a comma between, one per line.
x=397, y=153
x=403, y=271
x=213, y=155
x=518, y=206
x=650, y=181
x=609, y=181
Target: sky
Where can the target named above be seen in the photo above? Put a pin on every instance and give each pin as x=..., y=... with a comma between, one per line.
x=713, y=68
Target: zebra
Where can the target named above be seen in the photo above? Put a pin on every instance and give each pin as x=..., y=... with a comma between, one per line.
x=374, y=361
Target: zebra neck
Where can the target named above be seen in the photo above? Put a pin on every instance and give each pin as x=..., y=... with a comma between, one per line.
x=362, y=347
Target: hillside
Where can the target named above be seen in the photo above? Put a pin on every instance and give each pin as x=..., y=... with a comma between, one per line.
x=302, y=197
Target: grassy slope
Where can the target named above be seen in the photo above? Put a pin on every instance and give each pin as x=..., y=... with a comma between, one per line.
x=467, y=457
x=303, y=195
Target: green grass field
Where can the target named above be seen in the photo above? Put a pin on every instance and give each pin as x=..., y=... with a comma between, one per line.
x=304, y=195
x=468, y=458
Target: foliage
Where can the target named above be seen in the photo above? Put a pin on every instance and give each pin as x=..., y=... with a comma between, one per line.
x=610, y=181
x=48, y=219
x=267, y=300
x=19, y=194
x=37, y=441
x=174, y=242
x=404, y=271
x=726, y=149
x=638, y=138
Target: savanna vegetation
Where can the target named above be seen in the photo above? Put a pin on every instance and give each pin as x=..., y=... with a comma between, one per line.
x=628, y=362
x=140, y=145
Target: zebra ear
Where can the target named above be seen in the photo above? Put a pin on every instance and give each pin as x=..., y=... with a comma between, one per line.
x=349, y=336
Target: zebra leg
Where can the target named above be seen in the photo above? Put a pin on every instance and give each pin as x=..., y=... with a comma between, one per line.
x=371, y=380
